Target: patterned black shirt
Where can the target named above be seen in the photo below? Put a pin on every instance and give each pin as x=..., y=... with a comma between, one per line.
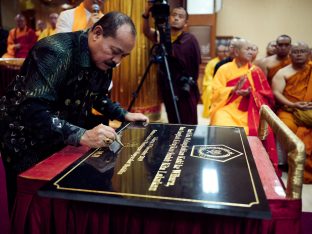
x=49, y=104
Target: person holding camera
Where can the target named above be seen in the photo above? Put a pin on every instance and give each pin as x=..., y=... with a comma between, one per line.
x=184, y=60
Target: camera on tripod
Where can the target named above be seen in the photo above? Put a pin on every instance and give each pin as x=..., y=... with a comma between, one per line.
x=160, y=10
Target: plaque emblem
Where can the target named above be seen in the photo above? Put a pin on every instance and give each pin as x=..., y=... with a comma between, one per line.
x=221, y=153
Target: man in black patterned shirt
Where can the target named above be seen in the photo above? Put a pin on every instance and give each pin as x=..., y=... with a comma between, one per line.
x=63, y=78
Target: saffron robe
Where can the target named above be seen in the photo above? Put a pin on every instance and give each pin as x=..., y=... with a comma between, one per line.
x=230, y=109
x=272, y=71
x=47, y=32
x=299, y=88
x=207, y=85
x=26, y=38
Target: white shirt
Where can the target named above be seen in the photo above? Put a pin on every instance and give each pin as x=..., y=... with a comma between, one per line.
x=66, y=20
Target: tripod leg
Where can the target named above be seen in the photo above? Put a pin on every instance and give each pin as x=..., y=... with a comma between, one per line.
x=174, y=100
x=135, y=94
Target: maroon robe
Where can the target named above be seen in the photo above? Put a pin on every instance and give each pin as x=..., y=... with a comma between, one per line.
x=183, y=61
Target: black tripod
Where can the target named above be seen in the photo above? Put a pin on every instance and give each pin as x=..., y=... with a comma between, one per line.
x=160, y=58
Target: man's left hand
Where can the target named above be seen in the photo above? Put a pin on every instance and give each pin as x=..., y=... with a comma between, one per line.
x=131, y=117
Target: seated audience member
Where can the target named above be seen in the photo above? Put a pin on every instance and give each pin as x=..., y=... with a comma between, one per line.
x=20, y=39
x=271, y=48
x=229, y=58
x=270, y=65
x=238, y=91
x=3, y=40
x=40, y=26
x=207, y=80
x=64, y=76
x=81, y=17
x=51, y=29
x=292, y=87
x=255, y=51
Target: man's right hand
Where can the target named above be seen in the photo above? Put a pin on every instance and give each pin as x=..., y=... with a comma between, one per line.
x=99, y=136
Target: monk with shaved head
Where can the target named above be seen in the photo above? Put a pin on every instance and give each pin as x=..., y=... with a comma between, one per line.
x=270, y=65
x=292, y=87
x=239, y=88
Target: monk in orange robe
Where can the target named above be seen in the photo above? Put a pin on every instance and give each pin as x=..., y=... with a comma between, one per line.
x=292, y=87
x=238, y=91
x=208, y=76
x=20, y=40
x=270, y=65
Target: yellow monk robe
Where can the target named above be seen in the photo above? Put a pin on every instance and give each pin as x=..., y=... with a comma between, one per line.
x=220, y=113
x=80, y=18
x=47, y=32
x=230, y=109
x=299, y=88
x=272, y=71
x=207, y=85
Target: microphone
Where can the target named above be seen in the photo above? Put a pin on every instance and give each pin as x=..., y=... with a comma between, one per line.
x=95, y=7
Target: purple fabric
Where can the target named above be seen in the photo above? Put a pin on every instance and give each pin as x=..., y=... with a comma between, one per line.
x=306, y=222
x=4, y=213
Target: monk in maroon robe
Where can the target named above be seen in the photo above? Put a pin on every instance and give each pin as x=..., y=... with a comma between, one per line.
x=20, y=40
x=184, y=60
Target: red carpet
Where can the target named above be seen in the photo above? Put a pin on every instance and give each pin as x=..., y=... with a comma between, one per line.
x=306, y=219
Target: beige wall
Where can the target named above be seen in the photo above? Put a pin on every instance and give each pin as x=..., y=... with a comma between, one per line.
x=9, y=9
x=261, y=21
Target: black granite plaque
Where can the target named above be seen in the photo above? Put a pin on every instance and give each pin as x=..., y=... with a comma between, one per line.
x=202, y=169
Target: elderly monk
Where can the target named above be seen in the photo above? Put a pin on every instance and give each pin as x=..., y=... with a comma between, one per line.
x=270, y=65
x=292, y=87
x=238, y=91
x=207, y=80
x=20, y=39
x=229, y=57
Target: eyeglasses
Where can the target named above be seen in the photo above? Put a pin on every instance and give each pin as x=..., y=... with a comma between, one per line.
x=299, y=51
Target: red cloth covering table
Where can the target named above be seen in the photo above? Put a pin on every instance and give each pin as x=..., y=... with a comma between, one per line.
x=4, y=213
x=34, y=214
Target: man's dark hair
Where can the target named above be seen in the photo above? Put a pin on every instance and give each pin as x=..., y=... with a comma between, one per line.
x=112, y=21
x=283, y=36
